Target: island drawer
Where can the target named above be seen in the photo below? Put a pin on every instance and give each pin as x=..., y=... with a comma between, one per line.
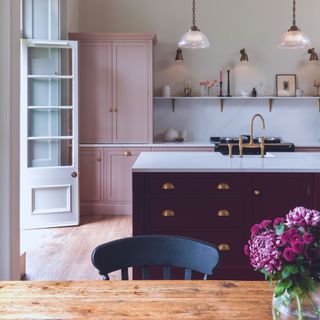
x=229, y=244
x=203, y=213
x=195, y=184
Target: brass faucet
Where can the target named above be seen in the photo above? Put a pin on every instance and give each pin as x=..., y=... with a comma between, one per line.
x=251, y=144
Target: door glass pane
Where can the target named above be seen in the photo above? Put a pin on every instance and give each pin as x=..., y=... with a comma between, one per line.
x=50, y=153
x=49, y=122
x=49, y=61
x=50, y=92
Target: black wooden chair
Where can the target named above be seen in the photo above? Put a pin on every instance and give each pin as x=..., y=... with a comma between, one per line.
x=163, y=251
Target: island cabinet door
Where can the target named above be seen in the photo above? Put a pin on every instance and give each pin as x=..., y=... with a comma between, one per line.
x=118, y=177
x=317, y=191
x=91, y=173
x=95, y=90
x=274, y=195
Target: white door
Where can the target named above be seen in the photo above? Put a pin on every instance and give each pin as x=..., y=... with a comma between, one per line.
x=49, y=134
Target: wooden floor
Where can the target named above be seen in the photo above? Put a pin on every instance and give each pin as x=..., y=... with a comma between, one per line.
x=65, y=253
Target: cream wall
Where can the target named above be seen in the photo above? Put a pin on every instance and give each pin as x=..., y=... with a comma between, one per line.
x=9, y=139
x=229, y=25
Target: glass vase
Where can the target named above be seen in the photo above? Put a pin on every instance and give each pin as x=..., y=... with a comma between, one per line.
x=305, y=306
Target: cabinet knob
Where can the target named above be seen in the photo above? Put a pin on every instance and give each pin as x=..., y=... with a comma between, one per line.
x=74, y=174
x=168, y=186
x=223, y=186
x=111, y=109
x=257, y=193
x=98, y=159
x=168, y=213
x=127, y=153
x=115, y=109
x=224, y=247
x=224, y=213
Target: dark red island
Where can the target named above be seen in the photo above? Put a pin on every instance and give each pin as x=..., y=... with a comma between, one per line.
x=214, y=204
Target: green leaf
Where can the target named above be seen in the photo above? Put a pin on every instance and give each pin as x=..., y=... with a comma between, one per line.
x=288, y=271
x=280, y=229
x=282, y=286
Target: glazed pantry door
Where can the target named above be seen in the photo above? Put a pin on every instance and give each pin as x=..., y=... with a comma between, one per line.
x=49, y=134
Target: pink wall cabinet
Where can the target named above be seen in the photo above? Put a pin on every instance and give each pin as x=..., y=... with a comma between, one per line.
x=91, y=175
x=95, y=92
x=116, y=87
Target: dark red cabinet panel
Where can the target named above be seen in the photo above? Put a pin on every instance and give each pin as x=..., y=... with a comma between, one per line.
x=191, y=208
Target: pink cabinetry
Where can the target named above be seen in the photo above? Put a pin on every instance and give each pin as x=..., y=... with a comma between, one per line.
x=118, y=179
x=95, y=94
x=182, y=149
x=91, y=175
x=115, y=86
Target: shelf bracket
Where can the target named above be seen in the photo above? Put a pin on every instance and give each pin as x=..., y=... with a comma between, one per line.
x=173, y=101
x=221, y=104
x=270, y=105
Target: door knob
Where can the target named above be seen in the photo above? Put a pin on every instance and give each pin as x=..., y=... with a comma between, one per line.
x=74, y=174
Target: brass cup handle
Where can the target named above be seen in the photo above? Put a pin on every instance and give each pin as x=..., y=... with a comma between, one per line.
x=223, y=186
x=257, y=193
x=168, y=213
x=224, y=247
x=224, y=213
x=128, y=153
x=168, y=186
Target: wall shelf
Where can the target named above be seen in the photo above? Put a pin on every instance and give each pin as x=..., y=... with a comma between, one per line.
x=222, y=100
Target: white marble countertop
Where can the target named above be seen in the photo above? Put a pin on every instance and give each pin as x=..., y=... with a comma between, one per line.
x=162, y=144
x=216, y=162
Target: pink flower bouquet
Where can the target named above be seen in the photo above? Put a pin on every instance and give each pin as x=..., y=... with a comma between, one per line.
x=207, y=85
x=288, y=250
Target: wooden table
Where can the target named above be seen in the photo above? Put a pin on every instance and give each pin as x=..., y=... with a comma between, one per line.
x=136, y=300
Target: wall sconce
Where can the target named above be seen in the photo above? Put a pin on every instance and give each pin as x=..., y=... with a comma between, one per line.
x=179, y=56
x=244, y=56
x=313, y=55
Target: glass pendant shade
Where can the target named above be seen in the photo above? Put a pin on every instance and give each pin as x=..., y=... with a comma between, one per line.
x=295, y=39
x=194, y=40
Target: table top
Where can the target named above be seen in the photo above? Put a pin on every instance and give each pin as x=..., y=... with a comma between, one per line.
x=143, y=300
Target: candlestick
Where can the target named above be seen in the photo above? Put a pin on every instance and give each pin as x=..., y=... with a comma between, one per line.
x=228, y=91
x=317, y=85
x=221, y=95
x=220, y=75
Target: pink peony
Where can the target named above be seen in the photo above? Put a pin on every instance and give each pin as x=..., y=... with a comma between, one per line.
x=297, y=247
x=308, y=238
x=265, y=224
x=255, y=230
x=289, y=254
x=264, y=253
x=302, y=217
x=278, y=221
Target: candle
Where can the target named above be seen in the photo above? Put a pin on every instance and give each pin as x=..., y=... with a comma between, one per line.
x=220, y=75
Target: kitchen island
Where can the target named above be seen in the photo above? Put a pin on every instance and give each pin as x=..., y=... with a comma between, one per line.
x=214, y=198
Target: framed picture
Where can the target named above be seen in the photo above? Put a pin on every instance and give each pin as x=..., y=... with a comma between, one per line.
x=286, y=85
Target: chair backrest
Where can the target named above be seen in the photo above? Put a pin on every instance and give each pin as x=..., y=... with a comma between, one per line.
x=164, y=251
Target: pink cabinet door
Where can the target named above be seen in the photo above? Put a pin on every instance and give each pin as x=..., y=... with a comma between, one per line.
x=95, y=93
x=118, y=179
x=132, y=79
x=91, y=175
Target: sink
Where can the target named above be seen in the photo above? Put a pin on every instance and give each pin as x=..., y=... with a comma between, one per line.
x=254, y=156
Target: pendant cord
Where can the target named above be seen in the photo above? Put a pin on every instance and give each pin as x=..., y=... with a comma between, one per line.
x=294, y=13
x=194, y=13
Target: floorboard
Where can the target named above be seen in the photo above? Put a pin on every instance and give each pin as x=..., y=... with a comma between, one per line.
x=65, y=253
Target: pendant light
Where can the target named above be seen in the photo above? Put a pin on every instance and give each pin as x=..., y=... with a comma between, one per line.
x=194, y=38
x=294, y=38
